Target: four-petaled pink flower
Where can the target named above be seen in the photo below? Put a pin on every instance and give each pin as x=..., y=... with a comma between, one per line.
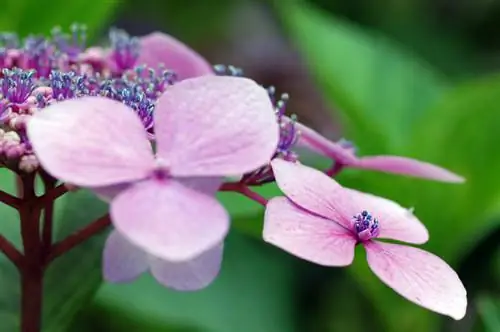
x=344, y=156
x=322, y=222
x=163, y=206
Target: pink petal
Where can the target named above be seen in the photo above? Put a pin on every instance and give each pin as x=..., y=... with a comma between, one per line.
x=158, y=48
x=407, y=166
x=122, y=261
x=310, y=189
x=206, y=185
x=215, y=126
x=91, y=141
x=169, y=220
x=419, y=276
x=191, y=275
x=395, y=222
x=307, y=236
x=315, y=142
x=109, y=192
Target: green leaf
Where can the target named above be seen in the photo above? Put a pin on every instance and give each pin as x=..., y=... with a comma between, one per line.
x=378, y=87
x=39, y=17
x=73, y=279
x=489, y=311
x=254, y=292
x=10, y=288
x=459, y=133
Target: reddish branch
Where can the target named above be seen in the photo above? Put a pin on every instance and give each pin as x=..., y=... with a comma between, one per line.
x=335, y=169
x=52, y=193
x=11, y=252
x=77, y=238
x=243, y=190
x=10, y=200
x=32, y=269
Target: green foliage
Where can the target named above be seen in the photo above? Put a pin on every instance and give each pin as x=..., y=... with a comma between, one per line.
x=368, y=78
x=39, y=17
x=73, y=279
x=391, y=103
x=251, y=272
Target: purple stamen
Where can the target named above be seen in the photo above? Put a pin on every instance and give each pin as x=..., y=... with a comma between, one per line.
x=66, y=85
x=71, y=45
x=125, y=49
x=17, y=85
x=38, y=55
x=366, y=226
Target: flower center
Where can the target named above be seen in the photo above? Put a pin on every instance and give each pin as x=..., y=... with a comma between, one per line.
x=161, y=171
x=366, y=226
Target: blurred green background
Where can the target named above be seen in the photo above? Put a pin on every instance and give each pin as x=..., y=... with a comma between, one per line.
x=418, y=78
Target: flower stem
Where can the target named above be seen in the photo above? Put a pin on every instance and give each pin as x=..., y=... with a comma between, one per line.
x=335, y=169
x=77, y=238
x=14, y=255
x=32, y=271
x=48, y=211
x=244, y=190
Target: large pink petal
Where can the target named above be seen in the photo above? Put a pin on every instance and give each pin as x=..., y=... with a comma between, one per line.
x=315, y=142
x=395, y=221
x=190, y=275
x=122, y=261
x=158, y=48
x=206, y=185
x=91, y=141
x=419, y=276
x=307, y=236
x=215, y=126
x=407, y=166
x=169, y=220
x=310, y=189
x=109, y=192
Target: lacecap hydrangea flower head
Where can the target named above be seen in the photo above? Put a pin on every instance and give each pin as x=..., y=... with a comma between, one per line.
x=152, y=128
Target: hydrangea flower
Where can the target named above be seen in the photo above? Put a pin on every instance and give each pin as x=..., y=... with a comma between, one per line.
x=39, y=71
x=343, y=153
x=322, y=222
x=205, y=128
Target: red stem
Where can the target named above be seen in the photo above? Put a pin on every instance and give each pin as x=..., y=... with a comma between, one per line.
x=77, y=238
x=48, y=211
x=335, y=169
x=51, y=195
x=244, y=190
x=32, y=271
x=10, y=200
x=9, y=250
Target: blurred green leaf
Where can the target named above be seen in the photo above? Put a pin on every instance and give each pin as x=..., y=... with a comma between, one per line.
x=489, y=311
x=10, y=288
x=252, y=293
x=459, y=133
x=39, y=17
x=73, y=279
x=379, y=88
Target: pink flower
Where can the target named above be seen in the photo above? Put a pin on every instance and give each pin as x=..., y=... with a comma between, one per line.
x=154, y=51
x=322, y=222
x=343, y=153
x=159, y=48
x=205, y=128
